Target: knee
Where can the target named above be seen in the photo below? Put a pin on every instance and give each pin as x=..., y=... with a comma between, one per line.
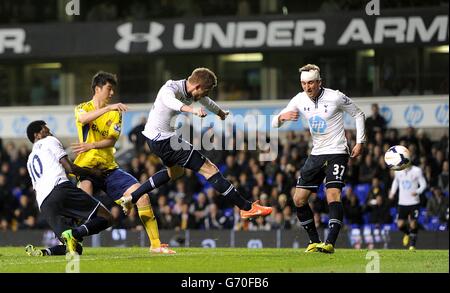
x=175, y=172
x=208, y=169
x=300, y=200
x=333, y=194
x=143, y=201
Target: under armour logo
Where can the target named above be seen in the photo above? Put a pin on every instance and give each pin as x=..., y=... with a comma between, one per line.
x=125, y=31
x=305, y=108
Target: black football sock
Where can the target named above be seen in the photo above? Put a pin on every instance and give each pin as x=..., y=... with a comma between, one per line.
x=61, y=250
x=404, y=229
x=158, y=179
x=335, y=222
x=413, y=236
x=306, y=217
x=91, y=227
x=229, y=191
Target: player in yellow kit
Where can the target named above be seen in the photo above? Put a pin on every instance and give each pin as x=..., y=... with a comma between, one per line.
x=99, y=125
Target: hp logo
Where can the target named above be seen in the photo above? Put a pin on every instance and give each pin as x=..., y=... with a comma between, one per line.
x=441, y=114
x=413, y=115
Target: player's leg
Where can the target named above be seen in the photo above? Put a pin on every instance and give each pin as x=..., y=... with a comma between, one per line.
x=403, y=213
x=66, y=202
x=336, y=215
x=86, y=209
x=413, y=226
x=306, y=217
x=336, y=166
x=155, y=181
x=87, y=186
x=311, y=176
x=51, y=251
x=177, y=151
x=224, y=187
x=120, y=183
x=147, y=216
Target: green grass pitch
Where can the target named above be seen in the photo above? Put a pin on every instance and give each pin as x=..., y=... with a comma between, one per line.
x=232, y=260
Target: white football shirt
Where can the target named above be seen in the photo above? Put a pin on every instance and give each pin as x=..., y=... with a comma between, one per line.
x=409, y=180
x=326, y=120
x=44, y=167
x=171, y=97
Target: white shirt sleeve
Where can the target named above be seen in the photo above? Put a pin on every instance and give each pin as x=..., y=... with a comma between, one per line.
x=210, y=105
x=422, y=182
x=291, y=106
x=348, y=106
x=169, y=100
x=56, y=147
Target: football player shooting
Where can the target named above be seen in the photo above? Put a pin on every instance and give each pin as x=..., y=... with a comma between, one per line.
x=59, y=199
x=411, y=183
x=324, y=109
x=176, y=96
x=99, y=126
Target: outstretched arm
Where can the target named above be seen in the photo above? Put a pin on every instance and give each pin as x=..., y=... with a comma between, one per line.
x=71, y=168
x=214, y=108
x=290, y=113
x=81, y=147
x=87, y=117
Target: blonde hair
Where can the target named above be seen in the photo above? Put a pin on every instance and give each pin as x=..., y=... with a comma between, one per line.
x=309, y=67
x=310, y=72
x=203, y=76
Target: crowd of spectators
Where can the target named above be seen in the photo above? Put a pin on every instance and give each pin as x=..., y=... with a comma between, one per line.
x=191, y=203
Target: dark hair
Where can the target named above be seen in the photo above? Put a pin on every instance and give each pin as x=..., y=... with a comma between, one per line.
x=101, y=78
x=33, y=128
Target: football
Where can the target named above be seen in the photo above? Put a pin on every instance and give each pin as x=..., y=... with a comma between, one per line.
x=397, y=158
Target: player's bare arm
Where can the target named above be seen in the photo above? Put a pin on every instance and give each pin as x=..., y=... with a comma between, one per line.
x=82, y=147
x=200, y=112
x=288, y=116
x=223, y=114
x=357, y=150
x=92, y=115
x=71, y=168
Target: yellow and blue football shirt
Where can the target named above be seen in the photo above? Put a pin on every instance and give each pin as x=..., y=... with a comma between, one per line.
x=108, y=125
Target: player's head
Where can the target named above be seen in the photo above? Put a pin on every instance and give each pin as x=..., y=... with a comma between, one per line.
x=37, y=130
x=310, y=79
x=103, y=85
x=201, y=81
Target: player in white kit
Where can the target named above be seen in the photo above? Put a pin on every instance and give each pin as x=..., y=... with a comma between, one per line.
x=176, y=96
x=411, y=183
x=70, y=212
x=324, y=109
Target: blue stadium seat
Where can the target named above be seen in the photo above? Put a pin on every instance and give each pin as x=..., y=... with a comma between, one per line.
x=321, y=192
x=228, y=212
x=366, y=218
x=344, y=189
x=393, y=213
x=434, y=224
x=361, y=191
x=324, y=218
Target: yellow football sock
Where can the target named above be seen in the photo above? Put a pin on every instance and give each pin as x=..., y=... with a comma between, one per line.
x=150, y=224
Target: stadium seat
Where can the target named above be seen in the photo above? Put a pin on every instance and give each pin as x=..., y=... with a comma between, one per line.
x=321, y=192
x=393, y=213
x=361, y=191
x=228, y=212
